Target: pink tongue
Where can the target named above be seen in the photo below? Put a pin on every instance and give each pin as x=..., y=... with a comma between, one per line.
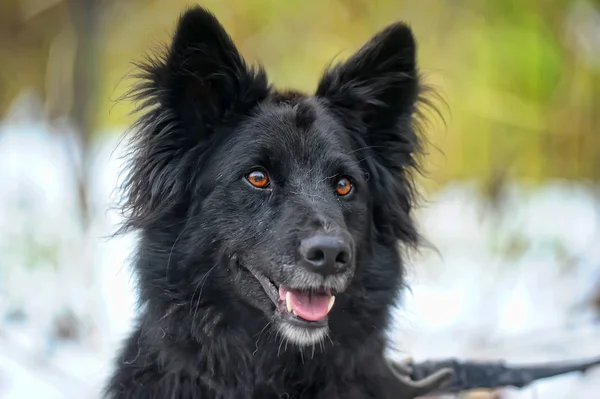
x=310, y=307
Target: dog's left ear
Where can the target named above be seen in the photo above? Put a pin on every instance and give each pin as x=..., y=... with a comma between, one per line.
x=379, y=82
x=374, y=93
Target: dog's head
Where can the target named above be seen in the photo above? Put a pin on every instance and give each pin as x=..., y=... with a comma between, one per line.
x=286, y=195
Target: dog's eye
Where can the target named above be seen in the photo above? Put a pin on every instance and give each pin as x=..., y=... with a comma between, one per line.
x=258, y=178
x=343, y=187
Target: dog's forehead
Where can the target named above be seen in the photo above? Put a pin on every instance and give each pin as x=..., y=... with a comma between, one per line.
x=294, y=127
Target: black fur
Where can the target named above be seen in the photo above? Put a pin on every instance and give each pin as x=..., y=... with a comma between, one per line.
x=207, y=328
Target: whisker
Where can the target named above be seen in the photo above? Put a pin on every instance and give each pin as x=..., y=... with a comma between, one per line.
x=172, y=248
x=257, y=339
x=201, y=285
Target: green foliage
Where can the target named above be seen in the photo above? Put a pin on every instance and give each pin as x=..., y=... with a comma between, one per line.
x=520, y=84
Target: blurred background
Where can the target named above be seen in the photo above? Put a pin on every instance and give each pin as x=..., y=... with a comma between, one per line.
x=513, y=184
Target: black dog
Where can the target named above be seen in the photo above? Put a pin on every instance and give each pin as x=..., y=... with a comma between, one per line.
x=268, y=260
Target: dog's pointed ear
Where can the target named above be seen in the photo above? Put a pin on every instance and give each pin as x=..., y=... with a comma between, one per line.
x=204, y=77
x=374, y=94
x=379, y=83
x=200, y=81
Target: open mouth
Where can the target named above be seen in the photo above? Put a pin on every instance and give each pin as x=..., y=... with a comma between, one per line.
x=307, y=308
x=306, y=305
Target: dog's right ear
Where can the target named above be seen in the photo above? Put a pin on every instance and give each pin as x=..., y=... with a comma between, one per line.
x=204, y=76
x=188, y=91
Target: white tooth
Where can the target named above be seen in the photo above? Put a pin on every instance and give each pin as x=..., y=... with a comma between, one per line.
x=331, y=302
x=294, y=312
x=288, y=301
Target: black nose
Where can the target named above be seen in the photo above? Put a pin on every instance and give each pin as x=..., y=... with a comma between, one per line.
x=325, y=254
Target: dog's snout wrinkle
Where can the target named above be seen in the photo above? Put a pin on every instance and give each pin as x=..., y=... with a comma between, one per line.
x=325, y=254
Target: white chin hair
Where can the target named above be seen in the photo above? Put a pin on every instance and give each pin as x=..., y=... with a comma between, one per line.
x=303, y=336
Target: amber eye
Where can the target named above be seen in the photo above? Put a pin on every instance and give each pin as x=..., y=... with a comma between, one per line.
x=258, y=178
x=343, y=187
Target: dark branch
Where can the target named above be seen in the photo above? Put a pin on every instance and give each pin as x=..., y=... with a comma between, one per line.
x=468, y=375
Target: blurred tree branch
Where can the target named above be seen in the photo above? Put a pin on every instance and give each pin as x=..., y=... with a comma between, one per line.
x=84, y=17
x=470, y=375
